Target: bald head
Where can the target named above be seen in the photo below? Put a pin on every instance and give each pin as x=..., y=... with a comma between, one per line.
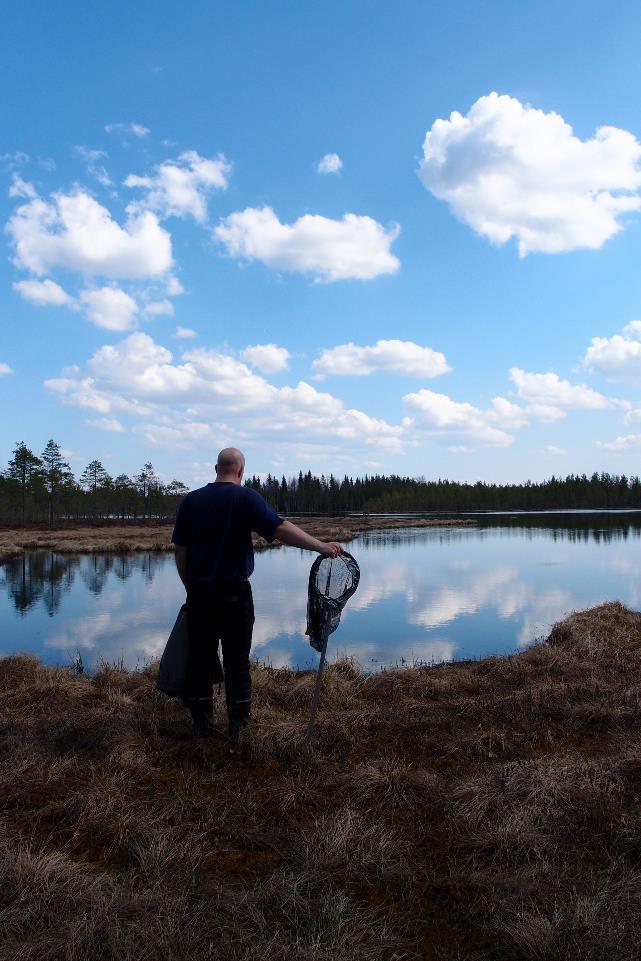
x=230, y=465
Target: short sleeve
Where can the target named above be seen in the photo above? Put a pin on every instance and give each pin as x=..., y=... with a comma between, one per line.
x=262, y=518
x=181, y=527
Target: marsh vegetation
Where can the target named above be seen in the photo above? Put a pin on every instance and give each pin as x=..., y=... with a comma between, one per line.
x=477, y=810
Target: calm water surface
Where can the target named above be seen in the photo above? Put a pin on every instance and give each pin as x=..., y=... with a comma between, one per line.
x=425, y=595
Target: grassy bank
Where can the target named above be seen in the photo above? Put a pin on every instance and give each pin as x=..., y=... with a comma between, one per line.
x=465, y=812
x=125, y=538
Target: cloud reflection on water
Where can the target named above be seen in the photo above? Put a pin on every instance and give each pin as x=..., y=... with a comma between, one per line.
x=424, y=596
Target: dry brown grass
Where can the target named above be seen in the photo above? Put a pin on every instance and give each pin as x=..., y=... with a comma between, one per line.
x=128, y=538
x=467, y=812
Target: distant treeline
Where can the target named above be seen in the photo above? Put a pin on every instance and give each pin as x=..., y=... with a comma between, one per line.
x=394, y=494
x=36, y=489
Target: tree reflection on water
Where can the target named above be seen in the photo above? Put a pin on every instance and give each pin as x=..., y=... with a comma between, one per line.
x=46, y=575
x=428, y=594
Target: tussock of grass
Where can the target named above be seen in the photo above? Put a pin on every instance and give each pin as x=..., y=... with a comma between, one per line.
x=483, y=810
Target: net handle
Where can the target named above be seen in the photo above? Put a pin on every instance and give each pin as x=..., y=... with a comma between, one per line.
x=316, y=696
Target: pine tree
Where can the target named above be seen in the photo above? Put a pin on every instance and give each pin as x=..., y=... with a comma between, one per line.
x=57, y=474
x=145, y=482
x=22, y=468
x=93, y=477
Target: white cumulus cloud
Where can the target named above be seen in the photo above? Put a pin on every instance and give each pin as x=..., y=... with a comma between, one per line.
x=393, y=356
x=617, y=357
x=44, y=293
x=355, y=247
x=267, y=357
x=185, y=333
x=439, y=415
x=331, y=163
x=75, y=232
x=549, y=397
x=509, y=170
x=139, y=376
x=110, y=308
x=5, y=369
x=180, y=188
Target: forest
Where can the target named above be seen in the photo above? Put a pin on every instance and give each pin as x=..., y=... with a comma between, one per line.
x=42, y=489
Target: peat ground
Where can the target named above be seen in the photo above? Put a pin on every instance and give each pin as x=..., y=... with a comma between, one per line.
x=127, y=538
x=463, y=812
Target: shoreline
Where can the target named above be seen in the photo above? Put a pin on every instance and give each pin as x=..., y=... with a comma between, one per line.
x=136, y=538
x=474, y=809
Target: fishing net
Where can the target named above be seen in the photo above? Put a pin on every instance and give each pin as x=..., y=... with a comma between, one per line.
x=332, y=581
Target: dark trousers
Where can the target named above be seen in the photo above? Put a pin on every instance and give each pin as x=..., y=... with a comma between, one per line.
x=225, y=612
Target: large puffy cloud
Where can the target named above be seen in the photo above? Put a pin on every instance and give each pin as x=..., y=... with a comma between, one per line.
x=44, y=293
x=139, y=376
x=549, y=396
x=110, y=308
x=267, y=357
x=75, y=232
x=180, y=188
x=508, y=170
x=439, y=415
x=617, y=357
x=393, y=356
x=353, y=247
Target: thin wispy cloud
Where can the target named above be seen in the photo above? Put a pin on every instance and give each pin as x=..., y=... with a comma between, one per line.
x=124, y=129
x=180, y=188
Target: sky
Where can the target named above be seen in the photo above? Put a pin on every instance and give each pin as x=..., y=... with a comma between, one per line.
x=350, y=237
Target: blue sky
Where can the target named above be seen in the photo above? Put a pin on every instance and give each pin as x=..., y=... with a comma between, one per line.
x=350, y=237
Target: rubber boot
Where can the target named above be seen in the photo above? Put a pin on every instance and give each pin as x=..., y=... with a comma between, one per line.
x=202, y=715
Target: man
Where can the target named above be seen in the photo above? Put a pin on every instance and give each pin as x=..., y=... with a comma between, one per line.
x=215, y=559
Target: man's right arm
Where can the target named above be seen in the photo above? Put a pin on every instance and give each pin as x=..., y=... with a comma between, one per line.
x=293, y=536
x=180, y=553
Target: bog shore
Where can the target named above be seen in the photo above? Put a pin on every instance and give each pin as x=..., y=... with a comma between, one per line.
x=125, y=538
x=484, y=810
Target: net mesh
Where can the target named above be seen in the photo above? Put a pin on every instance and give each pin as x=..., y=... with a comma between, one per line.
x=332, y=581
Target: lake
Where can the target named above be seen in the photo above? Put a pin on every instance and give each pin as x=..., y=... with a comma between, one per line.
x=426, y=595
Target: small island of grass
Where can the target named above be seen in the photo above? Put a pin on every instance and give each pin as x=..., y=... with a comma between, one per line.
x=114, y=538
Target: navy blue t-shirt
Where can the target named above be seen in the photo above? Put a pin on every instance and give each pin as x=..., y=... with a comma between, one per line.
x=215, y=524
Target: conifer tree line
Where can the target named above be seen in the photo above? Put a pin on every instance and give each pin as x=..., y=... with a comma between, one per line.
x=42, y=489
x=395, y=494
